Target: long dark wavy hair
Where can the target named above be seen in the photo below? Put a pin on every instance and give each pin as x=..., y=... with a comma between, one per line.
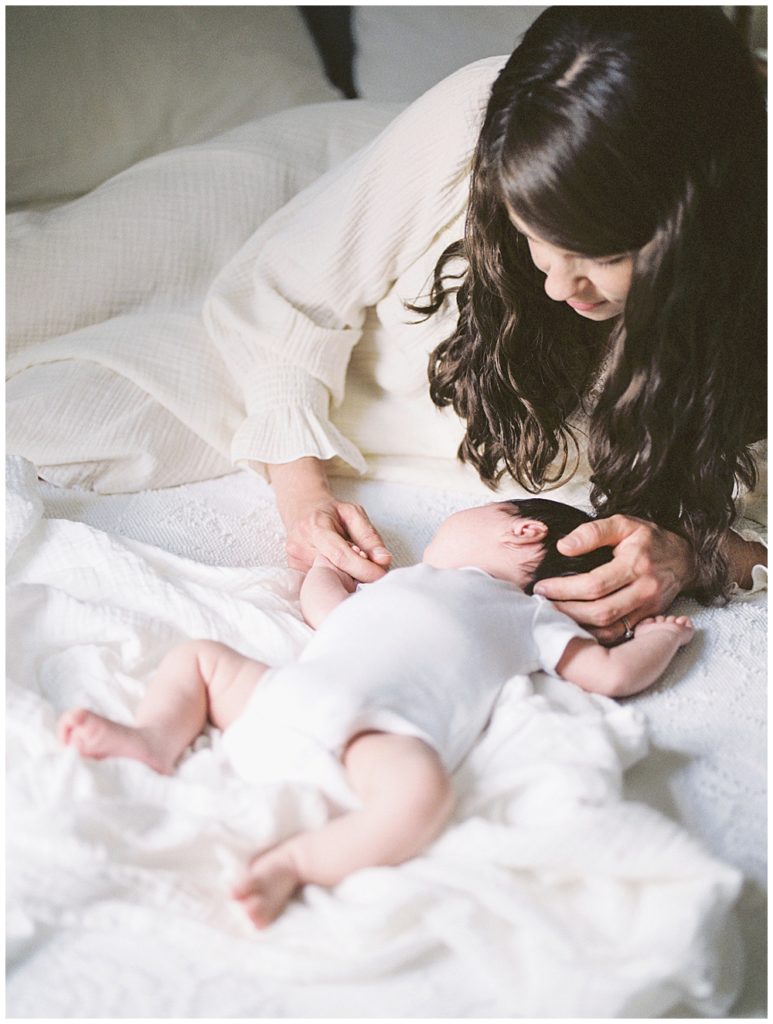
x=615, y=130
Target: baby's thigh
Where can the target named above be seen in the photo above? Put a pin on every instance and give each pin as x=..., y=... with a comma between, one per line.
x=230, y=679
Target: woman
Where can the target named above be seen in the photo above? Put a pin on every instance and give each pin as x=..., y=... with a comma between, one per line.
x=597, y=290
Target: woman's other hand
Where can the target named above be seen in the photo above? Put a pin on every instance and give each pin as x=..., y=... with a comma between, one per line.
x=318, y=523
x=650, y=567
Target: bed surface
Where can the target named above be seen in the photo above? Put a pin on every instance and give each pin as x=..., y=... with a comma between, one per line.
x=133, y=908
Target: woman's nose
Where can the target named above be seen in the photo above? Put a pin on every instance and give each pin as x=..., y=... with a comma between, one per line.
x=562, y=279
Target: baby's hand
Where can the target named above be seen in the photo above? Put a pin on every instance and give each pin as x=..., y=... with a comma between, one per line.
x=679, y=624
x=323, y=562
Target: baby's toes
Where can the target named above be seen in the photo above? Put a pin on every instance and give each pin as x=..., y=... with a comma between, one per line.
x=687, y=627
x=257, y=903
x=89, y=734
x=259, y=910
x=69, y=722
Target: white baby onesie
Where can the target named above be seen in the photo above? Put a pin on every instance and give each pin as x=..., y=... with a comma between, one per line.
x=422, y=652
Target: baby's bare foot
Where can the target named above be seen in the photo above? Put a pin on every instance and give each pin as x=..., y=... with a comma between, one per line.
x=679, y=624
x=97, y=737
x=267, y=886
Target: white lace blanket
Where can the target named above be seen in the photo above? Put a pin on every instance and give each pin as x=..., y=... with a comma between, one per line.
x=548, y=895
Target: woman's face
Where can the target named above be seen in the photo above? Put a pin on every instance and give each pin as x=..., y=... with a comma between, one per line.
x=595, y=287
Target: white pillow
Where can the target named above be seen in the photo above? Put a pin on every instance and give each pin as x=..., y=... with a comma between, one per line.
x=92, y=90
x=400, y=52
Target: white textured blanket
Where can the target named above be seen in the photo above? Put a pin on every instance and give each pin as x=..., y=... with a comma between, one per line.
x=549, y=895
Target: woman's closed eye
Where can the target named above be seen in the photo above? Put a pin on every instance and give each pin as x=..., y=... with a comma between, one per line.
x=600, y=261
x=607, y=261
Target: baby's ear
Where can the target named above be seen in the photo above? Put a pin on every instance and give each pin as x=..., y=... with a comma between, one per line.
x=527, y=531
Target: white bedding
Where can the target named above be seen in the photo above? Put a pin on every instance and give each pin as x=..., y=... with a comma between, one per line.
x=549, y=895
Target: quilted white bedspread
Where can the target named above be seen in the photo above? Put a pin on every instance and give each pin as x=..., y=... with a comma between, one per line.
x=549, y=894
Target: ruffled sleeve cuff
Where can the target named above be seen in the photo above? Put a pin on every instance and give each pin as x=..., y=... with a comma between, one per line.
x=759, y=579
x=290, y=421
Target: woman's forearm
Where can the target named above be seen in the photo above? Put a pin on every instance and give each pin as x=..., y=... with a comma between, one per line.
x=742, y=555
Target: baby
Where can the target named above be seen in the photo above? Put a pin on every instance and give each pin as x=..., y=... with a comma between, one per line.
x=397, y=684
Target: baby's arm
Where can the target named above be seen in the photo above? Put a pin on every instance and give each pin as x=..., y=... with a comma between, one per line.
x=631, y=667
x=324, y=587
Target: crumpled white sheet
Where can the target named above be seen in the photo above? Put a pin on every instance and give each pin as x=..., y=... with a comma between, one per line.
x=547, y=896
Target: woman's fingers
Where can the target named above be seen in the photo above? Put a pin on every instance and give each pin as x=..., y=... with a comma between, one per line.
x=363, y=534
x=649, y=568
x=629, y=603
x=588, y=586
x=598, y=534
x=603, y=597
x=342, y=533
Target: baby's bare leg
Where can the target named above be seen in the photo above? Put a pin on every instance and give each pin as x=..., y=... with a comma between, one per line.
x=196, y=681
x=407, y=798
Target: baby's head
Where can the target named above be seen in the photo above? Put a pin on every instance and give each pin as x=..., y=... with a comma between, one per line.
x=513, y=540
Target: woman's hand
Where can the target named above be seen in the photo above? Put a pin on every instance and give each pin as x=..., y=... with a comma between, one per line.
x=650, y=567
x=318, y=523
x=331, y=528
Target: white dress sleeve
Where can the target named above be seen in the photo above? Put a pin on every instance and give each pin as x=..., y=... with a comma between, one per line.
x=287, y=310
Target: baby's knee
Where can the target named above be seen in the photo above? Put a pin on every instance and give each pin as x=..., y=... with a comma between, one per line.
x=420, y=799
x=429, y=779
x=210, y=654
x=213, y=664
x=406, y=778
x=189, y=650
x=200, y=656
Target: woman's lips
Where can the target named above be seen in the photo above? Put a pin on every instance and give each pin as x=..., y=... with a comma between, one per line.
x=584, y=306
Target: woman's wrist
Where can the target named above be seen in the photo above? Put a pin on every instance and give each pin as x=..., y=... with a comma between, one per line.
x=742, y=555
x=690, y=571
x=298, y=485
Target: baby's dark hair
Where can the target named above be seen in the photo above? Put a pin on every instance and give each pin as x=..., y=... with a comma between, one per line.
x=560, y=520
